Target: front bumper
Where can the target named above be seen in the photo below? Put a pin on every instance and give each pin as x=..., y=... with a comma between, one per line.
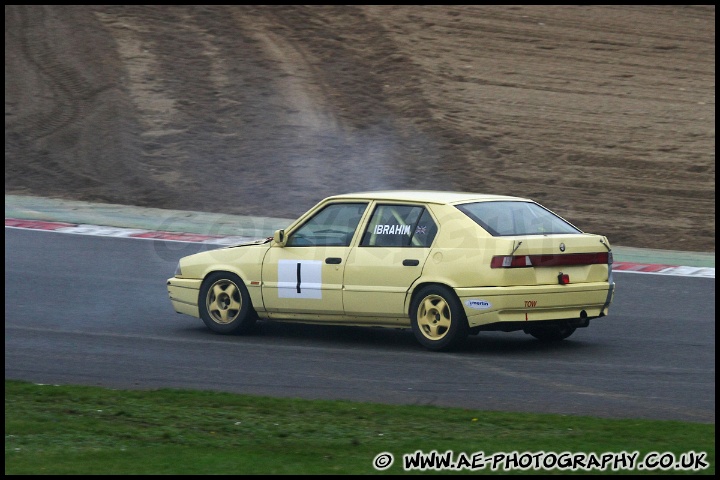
x=184, y=294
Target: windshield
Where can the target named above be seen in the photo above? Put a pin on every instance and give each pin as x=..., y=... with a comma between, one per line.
x=516, y=218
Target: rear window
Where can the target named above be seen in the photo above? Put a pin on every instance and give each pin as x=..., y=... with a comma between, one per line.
x=516, y=218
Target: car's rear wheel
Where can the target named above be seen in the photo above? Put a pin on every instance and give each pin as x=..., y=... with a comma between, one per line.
x=438, y=319
x=225, y=305
x=551, y=333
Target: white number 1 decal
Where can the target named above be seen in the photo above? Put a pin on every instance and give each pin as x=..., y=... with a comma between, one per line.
x=299, y=279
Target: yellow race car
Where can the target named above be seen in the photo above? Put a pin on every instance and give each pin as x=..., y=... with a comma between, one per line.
x=446, y=264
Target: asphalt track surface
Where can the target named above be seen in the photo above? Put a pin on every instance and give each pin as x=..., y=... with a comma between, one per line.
x=94, y=311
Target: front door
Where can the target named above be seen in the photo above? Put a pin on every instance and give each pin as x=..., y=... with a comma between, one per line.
x=306, y=275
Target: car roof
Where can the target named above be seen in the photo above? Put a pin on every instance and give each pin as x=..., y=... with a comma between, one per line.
x=428, y=196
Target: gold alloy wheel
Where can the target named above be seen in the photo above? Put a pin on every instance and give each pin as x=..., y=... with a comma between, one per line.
x=433, y=317
x=223, y=301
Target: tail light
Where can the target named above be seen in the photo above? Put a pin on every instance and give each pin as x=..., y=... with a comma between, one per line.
x=510, y=261
x=549, y=260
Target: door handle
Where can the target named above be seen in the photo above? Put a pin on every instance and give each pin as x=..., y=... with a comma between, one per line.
x=333, y=260
x=411, y=263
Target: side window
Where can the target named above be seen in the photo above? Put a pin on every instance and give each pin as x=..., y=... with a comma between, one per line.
x=399, y=226
x=424, y=231
x=334, y=225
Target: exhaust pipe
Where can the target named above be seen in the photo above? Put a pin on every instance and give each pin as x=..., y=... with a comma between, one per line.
x=581, y=322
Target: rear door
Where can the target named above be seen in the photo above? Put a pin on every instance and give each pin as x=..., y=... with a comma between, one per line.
x=388, y=259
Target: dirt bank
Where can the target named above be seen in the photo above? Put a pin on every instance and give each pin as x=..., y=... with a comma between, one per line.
x=605, y=114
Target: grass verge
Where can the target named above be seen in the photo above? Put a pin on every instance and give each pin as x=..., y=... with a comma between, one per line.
x=91, y=430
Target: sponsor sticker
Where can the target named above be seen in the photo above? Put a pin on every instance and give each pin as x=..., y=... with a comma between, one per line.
x=478, y=304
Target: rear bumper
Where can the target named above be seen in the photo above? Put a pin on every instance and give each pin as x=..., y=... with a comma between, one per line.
x=487, y=305
x=184, y=294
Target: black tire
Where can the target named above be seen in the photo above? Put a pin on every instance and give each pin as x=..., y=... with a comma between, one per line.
x=551, y=333
x=225, y=305
x=438, y=319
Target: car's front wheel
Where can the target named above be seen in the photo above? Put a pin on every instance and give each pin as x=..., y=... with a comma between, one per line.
x=551, y=333
x=438, y=319
x=225, y=305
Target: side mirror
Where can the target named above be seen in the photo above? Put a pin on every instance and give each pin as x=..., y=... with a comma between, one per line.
x=279, y=237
